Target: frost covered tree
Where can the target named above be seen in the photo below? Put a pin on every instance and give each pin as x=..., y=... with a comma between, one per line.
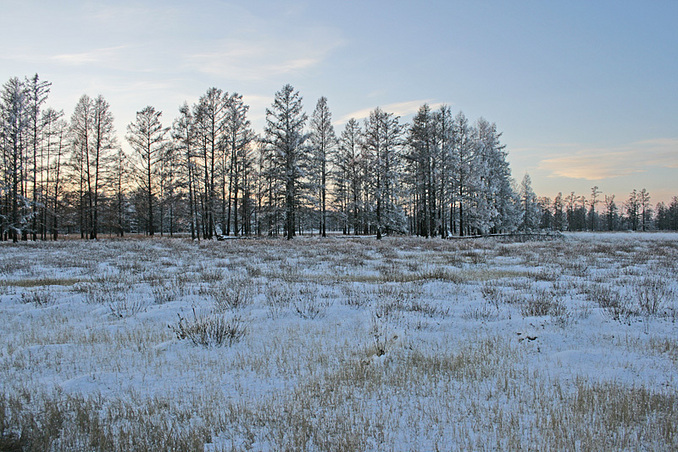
x=37, y=92
x=611, y=215
x=54, y=149
x=529, y=206
x=645, y=209
x=285, y=137
x=464, y=158
x=422, y=162
x=118, y=175
x=383, y=139
x=592, y=214
x=495, y=203
x=239, y=137
x=81, y=129
x=147, y=136
x=349, y=176
x=184, y=141
x=444, y=141
x=632, y=206
x=104, y=145
x=93, y=142
x=322, y=141
x=210, y=121
x=14, y=127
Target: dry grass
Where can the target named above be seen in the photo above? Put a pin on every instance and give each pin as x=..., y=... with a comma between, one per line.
x=404, y=344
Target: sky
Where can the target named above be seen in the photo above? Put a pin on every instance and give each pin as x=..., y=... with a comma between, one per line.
x=584, y=92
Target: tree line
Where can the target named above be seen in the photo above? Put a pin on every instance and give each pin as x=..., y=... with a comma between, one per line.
x=208, y=174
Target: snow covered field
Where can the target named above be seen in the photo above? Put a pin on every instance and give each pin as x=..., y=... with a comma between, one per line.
x=340, y=344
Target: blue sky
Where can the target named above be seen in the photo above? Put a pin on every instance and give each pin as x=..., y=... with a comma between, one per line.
x=585, y=92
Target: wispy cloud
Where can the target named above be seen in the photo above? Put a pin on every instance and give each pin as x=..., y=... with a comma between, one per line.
x=398, y=109
x=598, y=163
x=91, y=56
x=263, y=58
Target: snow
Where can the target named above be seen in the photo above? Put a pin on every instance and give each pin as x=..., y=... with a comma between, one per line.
x=354, y=343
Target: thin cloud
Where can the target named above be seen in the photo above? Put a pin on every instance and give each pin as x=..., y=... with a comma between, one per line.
x=605, y=163
x=262, y=58
x=398, y=109
x=92, y=56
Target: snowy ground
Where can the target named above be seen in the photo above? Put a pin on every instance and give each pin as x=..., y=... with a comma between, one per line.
x=340, y=344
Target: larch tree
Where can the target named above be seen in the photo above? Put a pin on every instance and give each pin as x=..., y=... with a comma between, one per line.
x=210, y=120
x=349, y=174
x=444, y=140
x=284, y=133
x=529, y=206
x=645, y=209
x=611, y=213
x=322, y=142
x=54, y=149
x=93, y=142
x=633, y=209
x=421, y=159
x=383, y=139
x=37, y=92
x=147, y=136
x=463, y=176
x=592, y=215
x=184, y=140
x=103, y=146
x=239, y=137
x=119, y=173
x=14, y=123
x=81, y=151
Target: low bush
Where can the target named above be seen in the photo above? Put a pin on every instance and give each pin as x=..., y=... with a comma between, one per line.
x=210, y=330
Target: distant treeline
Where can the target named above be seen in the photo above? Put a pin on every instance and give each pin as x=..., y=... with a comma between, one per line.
x=209, y=174
x=636, y=213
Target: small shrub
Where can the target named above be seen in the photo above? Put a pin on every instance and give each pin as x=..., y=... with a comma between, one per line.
x=127, y=307
x=610, y=300
x=104, y=293
x=234, y=293
x=38, y=297
x=542, y=303
x=308, y=308
x=164, y=293
x=353, y=297
x=210, y=330
x=210, y=274
x=652, y=294
x=428, y=309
